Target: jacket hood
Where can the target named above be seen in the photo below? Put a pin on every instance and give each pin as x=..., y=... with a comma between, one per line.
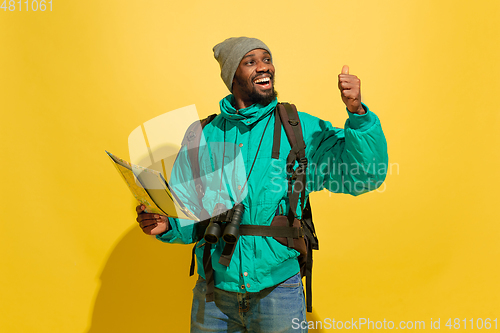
x=248, y=115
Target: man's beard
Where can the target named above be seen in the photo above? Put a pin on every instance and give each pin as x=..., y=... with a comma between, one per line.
x=263, y=99
x=256, y=97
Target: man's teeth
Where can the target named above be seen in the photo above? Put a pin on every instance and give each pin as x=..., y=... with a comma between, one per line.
x=263, y=80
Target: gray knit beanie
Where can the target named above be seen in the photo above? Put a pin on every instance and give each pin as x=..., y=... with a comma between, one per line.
x=230, y=52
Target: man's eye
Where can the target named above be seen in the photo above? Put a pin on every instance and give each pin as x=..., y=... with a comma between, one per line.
x=250, y=63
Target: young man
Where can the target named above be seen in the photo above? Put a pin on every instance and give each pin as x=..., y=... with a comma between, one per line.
x=261, y=290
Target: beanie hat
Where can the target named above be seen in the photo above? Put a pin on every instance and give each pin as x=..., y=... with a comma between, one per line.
x=230, y=52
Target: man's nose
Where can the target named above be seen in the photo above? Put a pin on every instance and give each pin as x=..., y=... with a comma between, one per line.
x=262, y=66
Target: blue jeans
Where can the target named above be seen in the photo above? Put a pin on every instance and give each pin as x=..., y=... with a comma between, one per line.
x=272, y=310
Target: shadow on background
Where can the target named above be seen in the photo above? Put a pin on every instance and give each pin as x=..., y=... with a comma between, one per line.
x=145, y=287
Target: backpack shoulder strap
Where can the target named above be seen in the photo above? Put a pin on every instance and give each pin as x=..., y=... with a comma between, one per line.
x=291, y=123
x=293, y=129
x=192, y=142
x=287, y=115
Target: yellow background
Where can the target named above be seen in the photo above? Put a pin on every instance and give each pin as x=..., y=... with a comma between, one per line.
x=79, y=79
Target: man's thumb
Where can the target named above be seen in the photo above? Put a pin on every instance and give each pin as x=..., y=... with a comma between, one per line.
x=345, y=69
x=139, y=208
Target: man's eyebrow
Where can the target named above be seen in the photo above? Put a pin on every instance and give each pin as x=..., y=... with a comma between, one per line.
x=253, y=54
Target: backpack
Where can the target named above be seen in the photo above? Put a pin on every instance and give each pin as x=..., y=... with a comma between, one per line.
x=288, y=230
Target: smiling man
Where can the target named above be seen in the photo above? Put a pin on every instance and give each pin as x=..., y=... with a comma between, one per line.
x=259, y=288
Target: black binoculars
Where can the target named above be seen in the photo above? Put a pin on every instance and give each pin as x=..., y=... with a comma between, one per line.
x=229, y=220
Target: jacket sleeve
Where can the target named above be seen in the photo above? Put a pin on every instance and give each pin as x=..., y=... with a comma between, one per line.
x=181, y=180
x=352, y=160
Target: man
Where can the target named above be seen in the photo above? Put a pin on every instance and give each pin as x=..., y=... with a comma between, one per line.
x=261, y=289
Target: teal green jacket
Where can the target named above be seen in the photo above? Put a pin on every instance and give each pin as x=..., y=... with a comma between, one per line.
x=352, y=160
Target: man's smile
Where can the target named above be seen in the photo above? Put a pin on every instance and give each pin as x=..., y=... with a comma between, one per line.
x=264, y=82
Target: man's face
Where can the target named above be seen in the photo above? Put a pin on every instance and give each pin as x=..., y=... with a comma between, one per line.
x=254, y=78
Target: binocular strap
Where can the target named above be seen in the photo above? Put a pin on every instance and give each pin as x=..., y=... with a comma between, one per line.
x=227, y=254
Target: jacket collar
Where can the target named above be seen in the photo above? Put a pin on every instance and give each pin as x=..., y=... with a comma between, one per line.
x=247, y=116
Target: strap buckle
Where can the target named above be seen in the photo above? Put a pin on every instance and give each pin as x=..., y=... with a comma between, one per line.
x=303, y=162
x=301, y=168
